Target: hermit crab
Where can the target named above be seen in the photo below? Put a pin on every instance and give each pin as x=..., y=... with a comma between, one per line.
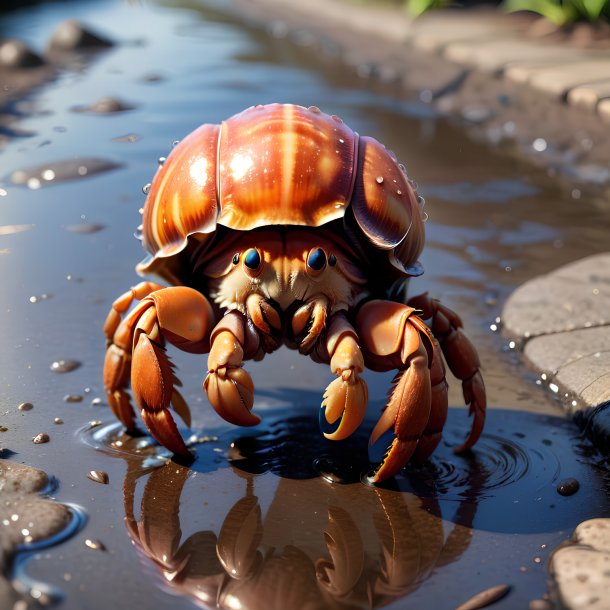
x=282, y=226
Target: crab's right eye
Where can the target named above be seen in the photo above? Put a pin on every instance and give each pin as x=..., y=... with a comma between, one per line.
x=252, y=259
x=235, y=258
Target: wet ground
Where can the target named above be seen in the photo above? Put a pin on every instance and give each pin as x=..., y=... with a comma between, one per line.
x=69, y=201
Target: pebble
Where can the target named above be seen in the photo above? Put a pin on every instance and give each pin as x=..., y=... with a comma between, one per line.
x=25, y=406
x=72, y=35
x=485, y=598
x=58, y=420
x=96, y=545
x=15, y=54
x=96, y=402
x=99, y=476
x=540, y=604
x=568, y=487
x=106, y=105
x=41, y=438
x=64, y=366
x=73, y=398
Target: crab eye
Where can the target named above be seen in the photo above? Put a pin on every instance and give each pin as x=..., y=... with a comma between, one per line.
x=236, y=258
x=252, y=259
x=316, y=259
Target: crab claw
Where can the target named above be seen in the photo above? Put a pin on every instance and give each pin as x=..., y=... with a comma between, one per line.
x=152, y=382
x=346, y=397
x=228, y=386
x=231, y=392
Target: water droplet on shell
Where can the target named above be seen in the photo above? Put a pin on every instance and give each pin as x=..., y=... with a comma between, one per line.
x=379, y=179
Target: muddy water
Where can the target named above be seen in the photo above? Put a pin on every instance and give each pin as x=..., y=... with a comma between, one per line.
x=251, y=510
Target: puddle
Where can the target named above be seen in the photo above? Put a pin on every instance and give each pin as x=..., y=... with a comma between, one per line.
x=252, y=523
x=282, y=504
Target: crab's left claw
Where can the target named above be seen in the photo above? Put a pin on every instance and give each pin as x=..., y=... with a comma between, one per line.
x=346, y=397
x=394, y=337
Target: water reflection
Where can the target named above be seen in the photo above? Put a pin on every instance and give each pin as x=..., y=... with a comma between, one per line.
x=317, y=545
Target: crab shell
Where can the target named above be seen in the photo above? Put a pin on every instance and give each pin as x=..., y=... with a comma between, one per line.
x=281, y=165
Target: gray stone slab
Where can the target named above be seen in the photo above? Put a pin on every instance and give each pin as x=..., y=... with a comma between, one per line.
x=577, y=361
x=579, y=570
x=574, y=296
x=558, y=79
x=434, y=31
x=495, y=55
x=588, y=96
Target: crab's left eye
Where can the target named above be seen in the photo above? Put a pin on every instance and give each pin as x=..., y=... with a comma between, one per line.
x=316, y=260
x=252, y=259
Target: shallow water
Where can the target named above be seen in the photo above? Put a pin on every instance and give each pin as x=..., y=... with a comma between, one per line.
x=67, y=251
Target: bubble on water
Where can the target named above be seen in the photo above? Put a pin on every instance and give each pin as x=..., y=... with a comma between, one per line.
x=175, y=143
x=161, y=160
x=96, y=402
x=33, y=184
x=139, y=232
x=539, y=144
x=64, y=366
x=146, y=188
x=3, y=192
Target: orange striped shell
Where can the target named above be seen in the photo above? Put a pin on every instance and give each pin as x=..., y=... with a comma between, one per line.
x=280, y=164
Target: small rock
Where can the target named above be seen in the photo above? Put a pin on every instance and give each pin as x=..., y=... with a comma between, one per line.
x=73, y=398
x=25, y=406
x=568, y=487
x=540, y=604
x=41, y=438
x=15, y=54
x=58, y=420
x=72, y=35
x=96, y=545
x=64, y=366
x=99, y=476
x=106, y=105
x=485, y=598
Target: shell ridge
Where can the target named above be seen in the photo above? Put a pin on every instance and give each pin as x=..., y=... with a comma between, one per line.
x=217, y=178
x=355, y=168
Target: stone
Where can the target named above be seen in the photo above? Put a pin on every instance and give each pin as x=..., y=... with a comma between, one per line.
x=574, y=296
x=494, y=55
x=15, y=54
x=556, y=80
x=589, y=95
x=580, y=570
x=72, y=35
x=603, y=109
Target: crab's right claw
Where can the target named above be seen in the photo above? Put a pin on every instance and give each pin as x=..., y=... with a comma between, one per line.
x=228, y=386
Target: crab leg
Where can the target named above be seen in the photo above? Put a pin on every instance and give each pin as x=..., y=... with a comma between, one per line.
x=347, y=396
x=179, y=315
x=394, y=337
x=461, y=357
x=228, y=386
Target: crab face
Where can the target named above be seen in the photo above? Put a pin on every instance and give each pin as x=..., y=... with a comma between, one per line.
x=285, y=268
